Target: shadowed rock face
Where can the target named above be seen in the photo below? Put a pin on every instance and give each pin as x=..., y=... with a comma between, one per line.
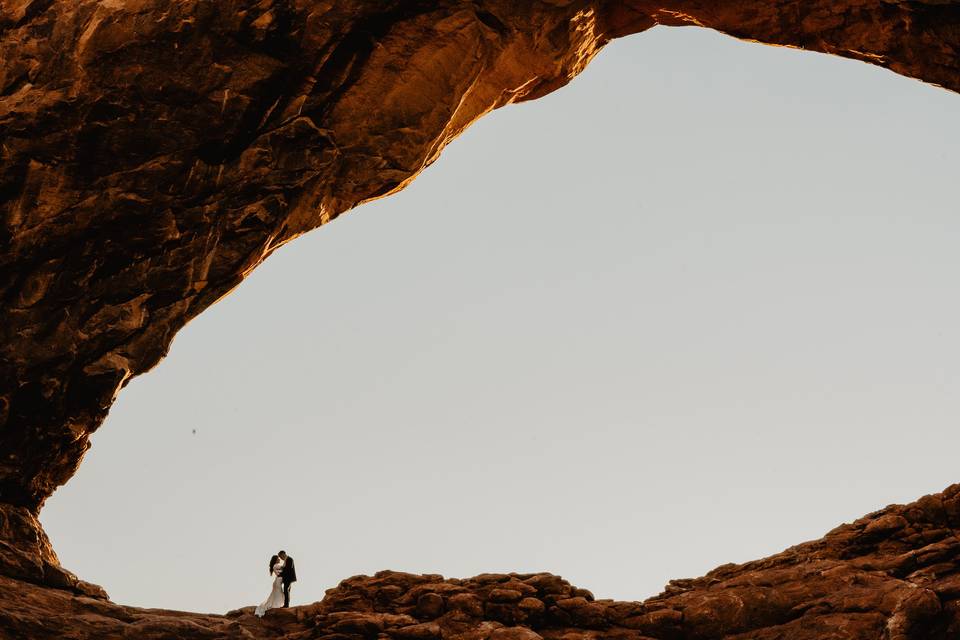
x=154, y=152
x=892, y=575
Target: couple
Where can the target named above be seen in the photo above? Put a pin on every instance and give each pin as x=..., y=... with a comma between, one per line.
x=284, y=574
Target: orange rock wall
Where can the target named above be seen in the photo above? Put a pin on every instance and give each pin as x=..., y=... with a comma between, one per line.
x=154, y=152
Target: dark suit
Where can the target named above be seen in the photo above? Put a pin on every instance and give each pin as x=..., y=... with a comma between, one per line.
x=288, y=575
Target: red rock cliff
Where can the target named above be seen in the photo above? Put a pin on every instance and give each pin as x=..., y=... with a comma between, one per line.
x=154, y=152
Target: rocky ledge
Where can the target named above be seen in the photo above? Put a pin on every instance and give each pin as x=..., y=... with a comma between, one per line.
x=892, y=575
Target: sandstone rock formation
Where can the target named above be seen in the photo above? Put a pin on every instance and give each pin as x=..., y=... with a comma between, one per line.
x=893, y=575
x=154, y=152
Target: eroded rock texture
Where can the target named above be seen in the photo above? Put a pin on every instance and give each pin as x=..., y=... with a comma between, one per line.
x=893, y=575
x=154, y=152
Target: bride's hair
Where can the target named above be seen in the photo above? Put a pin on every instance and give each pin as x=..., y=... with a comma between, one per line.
x=273, y=561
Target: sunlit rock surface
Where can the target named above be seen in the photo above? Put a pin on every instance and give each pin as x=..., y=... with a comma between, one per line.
x=892, y=575
x=154, y=152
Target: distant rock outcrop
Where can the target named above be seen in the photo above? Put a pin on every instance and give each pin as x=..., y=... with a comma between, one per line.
x=893, y=575
x=154, y=152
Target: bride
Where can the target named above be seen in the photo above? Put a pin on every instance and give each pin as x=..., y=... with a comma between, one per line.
x=275, y=599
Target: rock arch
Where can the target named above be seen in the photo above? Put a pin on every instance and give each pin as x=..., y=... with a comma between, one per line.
x=154, y=152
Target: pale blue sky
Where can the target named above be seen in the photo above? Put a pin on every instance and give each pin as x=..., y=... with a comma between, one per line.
x=696, y=307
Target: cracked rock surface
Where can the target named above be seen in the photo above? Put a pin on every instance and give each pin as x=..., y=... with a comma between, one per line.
x=154, y=152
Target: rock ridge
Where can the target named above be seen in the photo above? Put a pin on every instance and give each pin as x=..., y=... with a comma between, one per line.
x=892, y=575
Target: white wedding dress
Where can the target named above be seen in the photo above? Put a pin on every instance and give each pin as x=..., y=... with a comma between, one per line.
x=275, y=599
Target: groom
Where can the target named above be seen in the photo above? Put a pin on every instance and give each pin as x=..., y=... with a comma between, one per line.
x=288, y=575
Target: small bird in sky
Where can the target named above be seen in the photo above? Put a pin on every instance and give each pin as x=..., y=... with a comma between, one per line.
x=194, y=431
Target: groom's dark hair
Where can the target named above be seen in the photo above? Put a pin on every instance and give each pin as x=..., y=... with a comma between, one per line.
x=281, y=552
